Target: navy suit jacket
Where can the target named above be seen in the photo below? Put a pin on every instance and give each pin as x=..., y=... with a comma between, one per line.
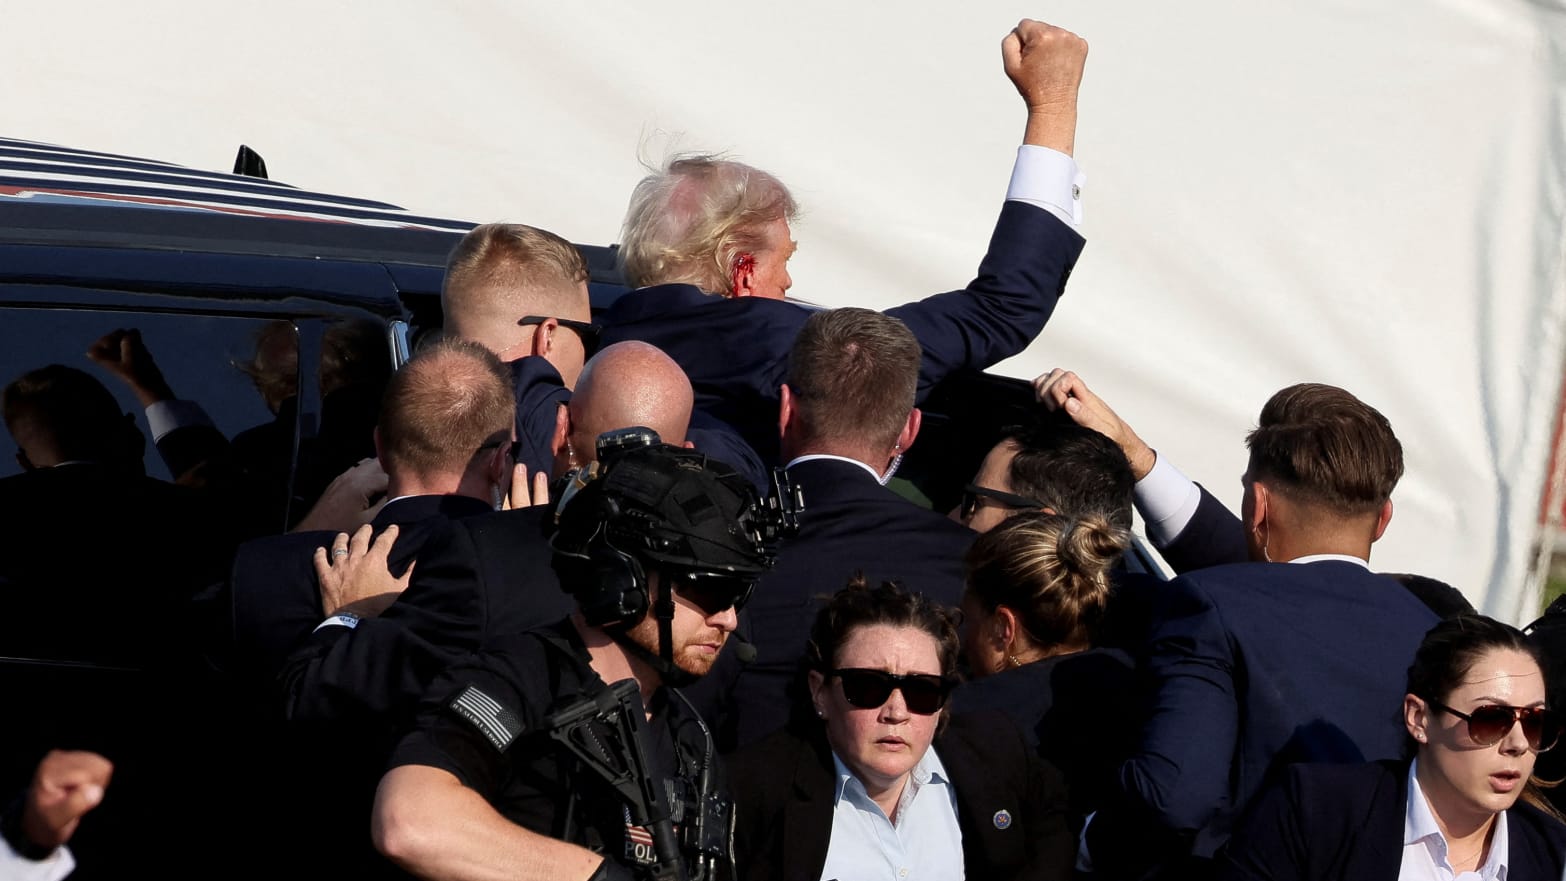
x=1257, y=666
x=274, y=605
x=1331, y=822
x=851, y=524
x=540, y=392
x=785, y=787
x=736, y=350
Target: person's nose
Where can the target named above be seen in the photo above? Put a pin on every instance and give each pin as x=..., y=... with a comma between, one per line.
x=895, y=709
x=726, y=620
x=1515, y=743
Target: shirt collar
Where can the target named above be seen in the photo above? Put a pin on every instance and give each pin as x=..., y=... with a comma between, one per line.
x=928, y=770
x=1419, y=826
x=1341, y=558
x=814, y=456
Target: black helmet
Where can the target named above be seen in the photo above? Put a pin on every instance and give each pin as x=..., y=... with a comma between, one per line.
x=648, y=503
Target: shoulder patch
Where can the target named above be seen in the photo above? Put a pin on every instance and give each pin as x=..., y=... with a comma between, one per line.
x=499, y=725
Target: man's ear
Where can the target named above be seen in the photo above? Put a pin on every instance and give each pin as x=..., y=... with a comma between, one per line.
x=910, y=430
x=557, y=442
x=380, y=452
x=743, y=276
x=1382, y=519
x=544, y=337
x=785, y=408
x=1259, y=498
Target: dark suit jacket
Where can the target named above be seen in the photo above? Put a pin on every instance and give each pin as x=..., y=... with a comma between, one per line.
x=784, y=789
x=275, y=606
x=1080, y=712
x=850, y=524
x=735, y=350
x=540, y=392
x=483, y=576
x=1215, y=537
x=1327, y=822
x=274, y=600
x=1257, y=666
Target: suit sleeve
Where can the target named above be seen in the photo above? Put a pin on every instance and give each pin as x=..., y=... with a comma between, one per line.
x=377, y=668
x=1021, y=278
x=1180, y=775
x=1269, y=844
x=386, y=663
x=1213, y=537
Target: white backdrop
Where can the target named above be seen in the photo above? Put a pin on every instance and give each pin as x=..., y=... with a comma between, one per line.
x=1364, y=194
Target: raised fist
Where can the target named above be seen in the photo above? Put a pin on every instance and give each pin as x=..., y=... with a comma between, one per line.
x=1045, y=64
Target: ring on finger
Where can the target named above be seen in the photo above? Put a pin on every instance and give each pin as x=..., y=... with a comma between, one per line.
x=339, y=552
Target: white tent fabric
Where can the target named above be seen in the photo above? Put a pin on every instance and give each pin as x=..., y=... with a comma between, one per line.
x=1370, y=195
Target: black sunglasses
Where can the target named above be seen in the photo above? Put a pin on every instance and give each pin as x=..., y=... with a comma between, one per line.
x=712, y=592
x=870, y=689
x=589, y=333
x=973, y=492
x=1541, y=727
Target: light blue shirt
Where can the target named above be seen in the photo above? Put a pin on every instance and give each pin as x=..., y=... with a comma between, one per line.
x=1424, y=847
x=924, y=844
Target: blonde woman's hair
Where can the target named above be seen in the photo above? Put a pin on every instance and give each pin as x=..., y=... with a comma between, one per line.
x=1051, y=570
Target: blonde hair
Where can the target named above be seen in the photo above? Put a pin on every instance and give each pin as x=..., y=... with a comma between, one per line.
x=690, y=220
x=1051, y=570
x=500, y=272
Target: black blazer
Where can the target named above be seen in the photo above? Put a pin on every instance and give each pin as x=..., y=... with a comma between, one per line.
x=784, y=788
x=274, y=602
x=850, y=524
x=1346, y=822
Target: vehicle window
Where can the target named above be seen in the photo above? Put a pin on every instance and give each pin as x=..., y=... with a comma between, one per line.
x=211, y=360
x=240, y=371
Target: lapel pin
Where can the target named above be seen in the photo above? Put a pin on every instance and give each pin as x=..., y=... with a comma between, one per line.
x=1002, y=819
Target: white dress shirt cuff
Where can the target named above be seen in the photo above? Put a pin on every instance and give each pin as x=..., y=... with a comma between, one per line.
x=15, y=867
x=165, y=416
x=1049, y=179
x=1167, y=500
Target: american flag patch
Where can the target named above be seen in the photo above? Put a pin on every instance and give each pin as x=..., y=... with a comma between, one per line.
x=499, y=725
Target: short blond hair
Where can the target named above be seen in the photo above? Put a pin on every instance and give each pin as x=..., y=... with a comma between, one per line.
x=690, y=220
x=500, y=272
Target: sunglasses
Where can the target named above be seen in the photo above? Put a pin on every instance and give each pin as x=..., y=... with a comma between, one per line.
x=712, y=592
x=589, y=333
x=1488, y=724
x=869, y=689
x=973, y=492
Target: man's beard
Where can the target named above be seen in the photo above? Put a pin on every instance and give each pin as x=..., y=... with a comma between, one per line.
x=687, y=656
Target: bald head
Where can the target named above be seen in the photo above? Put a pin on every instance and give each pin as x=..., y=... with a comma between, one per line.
x=625, y=385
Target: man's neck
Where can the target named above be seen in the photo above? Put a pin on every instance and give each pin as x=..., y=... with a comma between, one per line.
x=862, y=457
x=613, y=663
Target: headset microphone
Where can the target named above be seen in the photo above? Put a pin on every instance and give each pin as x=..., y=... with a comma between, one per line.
x=744, y=651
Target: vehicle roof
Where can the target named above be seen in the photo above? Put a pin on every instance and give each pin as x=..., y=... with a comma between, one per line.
x=145, y=216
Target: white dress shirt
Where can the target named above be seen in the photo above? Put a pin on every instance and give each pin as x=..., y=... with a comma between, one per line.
x=925, y=841
x=15, y=867
x=1425, y=850
x=1049, y=179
